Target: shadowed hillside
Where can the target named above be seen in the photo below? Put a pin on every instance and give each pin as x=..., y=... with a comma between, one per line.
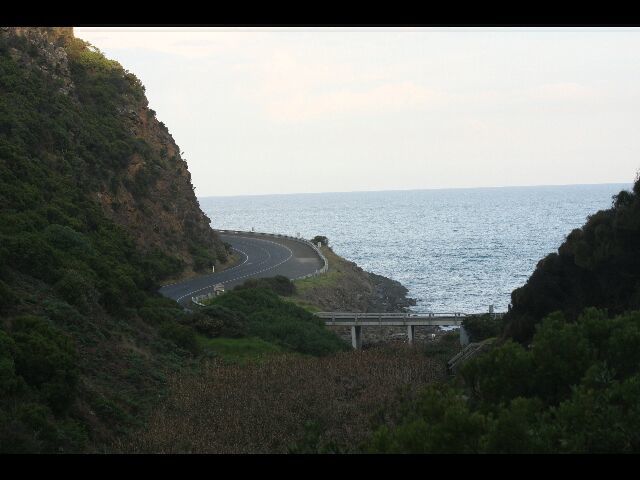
x=597, y=265
x=96, y=209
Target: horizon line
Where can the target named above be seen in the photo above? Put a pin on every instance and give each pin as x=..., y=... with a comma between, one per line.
x=415, y=189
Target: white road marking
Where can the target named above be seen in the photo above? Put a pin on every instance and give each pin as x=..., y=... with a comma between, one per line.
x=246, y=257
x=249, y=274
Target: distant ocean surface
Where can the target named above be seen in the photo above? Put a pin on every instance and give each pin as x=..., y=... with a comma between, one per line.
x=455, y=250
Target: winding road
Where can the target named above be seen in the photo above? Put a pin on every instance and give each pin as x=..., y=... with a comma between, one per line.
x=261, y=256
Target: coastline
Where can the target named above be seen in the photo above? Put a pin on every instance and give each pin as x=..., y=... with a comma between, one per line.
x=348, y=287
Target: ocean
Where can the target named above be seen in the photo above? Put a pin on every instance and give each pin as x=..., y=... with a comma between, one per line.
x=456, y=250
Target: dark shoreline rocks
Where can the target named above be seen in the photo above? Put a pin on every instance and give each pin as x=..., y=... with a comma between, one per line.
x=346, y=287
x=388, y=295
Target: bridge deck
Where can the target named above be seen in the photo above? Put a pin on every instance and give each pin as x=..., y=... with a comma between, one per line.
x=395, y=319
x=397, y=322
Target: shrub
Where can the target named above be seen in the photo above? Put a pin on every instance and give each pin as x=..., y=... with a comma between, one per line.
x=215, y=321
x=158, y=316
x=76, y=289
x=183, y=336
x=561, y=355
x=7, y=298
x=439, y=422
x=515, y=430
x=320, y=238
x=500, y=375
x=280, y=322
x=279, y=284
x=46, y=359
x=9, y=381
x=482, y=327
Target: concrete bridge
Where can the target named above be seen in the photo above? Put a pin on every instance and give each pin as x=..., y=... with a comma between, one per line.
x=410, y=320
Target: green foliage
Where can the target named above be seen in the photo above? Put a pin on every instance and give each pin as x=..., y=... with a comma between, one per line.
x=599, y=420
x=481, y=327
x=76, y=289
x=182, y=335
x=561, y=356
x=46, y=359
x=38, y=382
x=499, y=376
x=62, y=260
x=512, y=431
x=7, y=297
x=439, y=422
x=279, y=322
x=598, y=265
x=324, y=241
x=279, y=284
x=575, y=390
x=237, y=350
x=217, y=321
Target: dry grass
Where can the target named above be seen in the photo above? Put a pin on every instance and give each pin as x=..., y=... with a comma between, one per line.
x=264, y=407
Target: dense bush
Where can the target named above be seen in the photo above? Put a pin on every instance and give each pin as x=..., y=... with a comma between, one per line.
x=218, y=321
x=64, y=261
x=280, y=322
x=598, y=265
x=279, y=284
x=481, y=327
x=182, y=335
x=38, y=382
x=7, y=297
x=46, y=359
x=320, y=238
x=575, y=390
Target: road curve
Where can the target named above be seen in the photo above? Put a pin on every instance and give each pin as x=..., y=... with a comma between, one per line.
x=261, y=256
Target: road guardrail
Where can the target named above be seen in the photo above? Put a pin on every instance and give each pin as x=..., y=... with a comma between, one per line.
x=325, y=262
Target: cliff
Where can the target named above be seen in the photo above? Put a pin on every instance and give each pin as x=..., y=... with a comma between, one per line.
x=96, y=211
x=143, y=184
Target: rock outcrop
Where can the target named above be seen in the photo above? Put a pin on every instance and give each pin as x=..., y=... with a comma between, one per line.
x=147, y=187
x=347, y=287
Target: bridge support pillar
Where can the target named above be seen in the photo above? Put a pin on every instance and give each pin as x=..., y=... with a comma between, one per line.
x=356, y=337
x=411, y=333
x=464, y=336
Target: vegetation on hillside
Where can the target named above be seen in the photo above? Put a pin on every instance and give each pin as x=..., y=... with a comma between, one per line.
x=565, y=376
x=598, y=265
x=265, y=315
x=87, y=345
x=575, y=391
x=86, y=341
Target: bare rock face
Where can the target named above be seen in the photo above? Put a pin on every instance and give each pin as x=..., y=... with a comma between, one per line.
x=49, y=42
x=148, y=191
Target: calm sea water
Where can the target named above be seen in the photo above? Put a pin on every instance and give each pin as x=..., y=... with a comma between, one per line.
x=455, y=250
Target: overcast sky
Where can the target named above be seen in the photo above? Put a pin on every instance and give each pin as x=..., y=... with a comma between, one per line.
x=259, y=111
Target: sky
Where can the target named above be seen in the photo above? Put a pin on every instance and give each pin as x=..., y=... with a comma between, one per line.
x=295, y=110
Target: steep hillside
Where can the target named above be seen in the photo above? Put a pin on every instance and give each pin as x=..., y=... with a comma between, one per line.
x=96, y=210
x=598, y=265
x=89, y=120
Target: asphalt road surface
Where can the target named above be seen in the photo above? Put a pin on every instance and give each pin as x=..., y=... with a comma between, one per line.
x=260, y=256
